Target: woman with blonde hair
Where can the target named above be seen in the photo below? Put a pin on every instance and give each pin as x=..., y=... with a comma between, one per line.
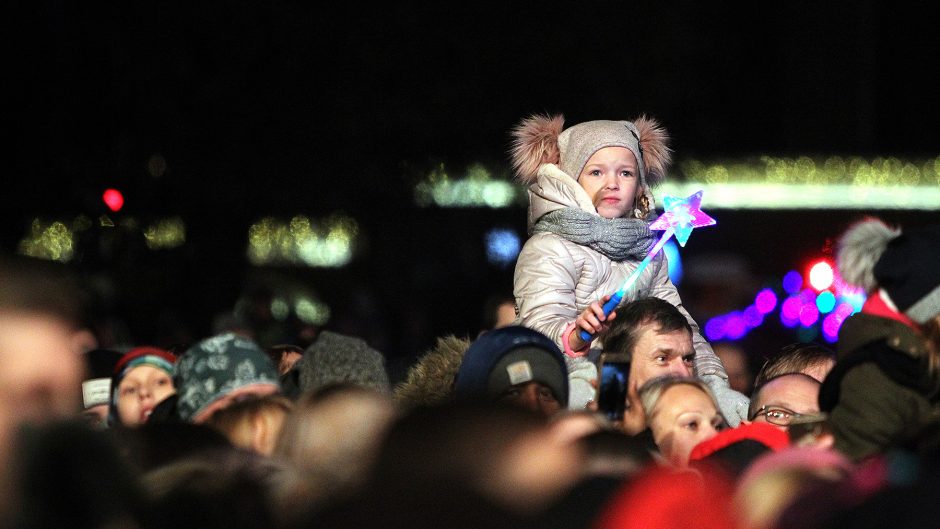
x=681, y=413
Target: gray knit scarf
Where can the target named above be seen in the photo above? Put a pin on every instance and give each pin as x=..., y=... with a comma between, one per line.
x=618, y=239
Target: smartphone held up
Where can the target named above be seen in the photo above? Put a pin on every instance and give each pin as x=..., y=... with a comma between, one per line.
x=613, y=386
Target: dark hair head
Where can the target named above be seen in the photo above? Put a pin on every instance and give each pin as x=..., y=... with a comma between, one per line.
x=626, y=328
x=793, y=358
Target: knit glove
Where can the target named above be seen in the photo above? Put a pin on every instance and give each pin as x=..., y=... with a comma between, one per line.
x=732, y=404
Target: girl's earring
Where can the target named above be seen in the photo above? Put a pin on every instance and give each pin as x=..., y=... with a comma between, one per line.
x=641, y=207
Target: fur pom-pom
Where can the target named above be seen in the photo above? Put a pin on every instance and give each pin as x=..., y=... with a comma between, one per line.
x=656, y=152
x=859, y=249
x=535, y=141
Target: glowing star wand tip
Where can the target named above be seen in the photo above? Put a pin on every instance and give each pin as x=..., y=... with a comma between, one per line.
x=680, y=217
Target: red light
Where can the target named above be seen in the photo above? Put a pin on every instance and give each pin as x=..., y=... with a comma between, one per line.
x=113, y=198
x=821, y=275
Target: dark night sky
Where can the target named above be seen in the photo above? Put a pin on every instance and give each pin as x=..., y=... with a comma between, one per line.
x=320, y=100
x=280, y=107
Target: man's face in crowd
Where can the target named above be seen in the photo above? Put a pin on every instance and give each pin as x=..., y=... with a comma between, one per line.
x=533, y=396
x=655, y=354
x=796, y=392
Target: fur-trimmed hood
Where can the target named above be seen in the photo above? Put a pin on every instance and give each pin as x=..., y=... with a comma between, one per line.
x=430, y=381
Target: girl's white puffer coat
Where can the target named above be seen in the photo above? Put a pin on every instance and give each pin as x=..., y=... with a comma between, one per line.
x=556, y=279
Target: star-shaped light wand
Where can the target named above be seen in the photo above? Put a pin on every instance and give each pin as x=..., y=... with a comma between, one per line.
x=681, y=216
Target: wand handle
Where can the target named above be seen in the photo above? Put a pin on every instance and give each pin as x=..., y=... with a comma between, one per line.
x=608, y=308
x=618, y=295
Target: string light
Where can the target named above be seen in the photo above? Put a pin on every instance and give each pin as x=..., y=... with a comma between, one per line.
x=760, y=182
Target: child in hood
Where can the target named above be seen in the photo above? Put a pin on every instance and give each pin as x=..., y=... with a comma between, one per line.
x=590, y=207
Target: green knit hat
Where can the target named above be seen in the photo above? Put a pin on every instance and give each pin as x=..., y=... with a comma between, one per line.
x=216, y=367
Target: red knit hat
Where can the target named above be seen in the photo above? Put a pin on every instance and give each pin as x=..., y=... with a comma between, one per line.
x=143, y=351
x=734, y=449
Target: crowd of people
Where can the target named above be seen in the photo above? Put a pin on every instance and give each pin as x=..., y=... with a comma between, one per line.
x=510, y=428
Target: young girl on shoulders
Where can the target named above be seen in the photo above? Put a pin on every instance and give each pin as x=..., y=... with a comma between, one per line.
x=590, y=207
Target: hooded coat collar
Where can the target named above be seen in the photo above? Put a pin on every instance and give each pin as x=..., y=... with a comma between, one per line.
x=553, y=189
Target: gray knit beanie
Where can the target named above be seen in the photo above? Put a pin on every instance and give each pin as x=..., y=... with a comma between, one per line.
x=338, y=359
x=577, y=144
x=217, y=366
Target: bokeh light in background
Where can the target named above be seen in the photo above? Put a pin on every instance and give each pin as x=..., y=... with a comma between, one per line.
x=311, y=310
x=753, y=317
x=165, y=233
x=804, y=182
x=821, y=275
x=809, y=312
x=502, y=246
x=113, y=199
x=766, y=301
x=762, y=182
x=57, y=240
x=792, y=282
x=50, y=240
x=328, y=243
x=825, y=302
x=477, y=188
x=296, y=302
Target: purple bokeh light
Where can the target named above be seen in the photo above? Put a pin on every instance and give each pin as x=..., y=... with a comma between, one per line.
x=735, y=327
x=792, y=282
x=753, y=317
x=766, y=301
x=830, y=327
x=809, y=315
x=715, y=328
x=808, y=296
x=790, y=310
